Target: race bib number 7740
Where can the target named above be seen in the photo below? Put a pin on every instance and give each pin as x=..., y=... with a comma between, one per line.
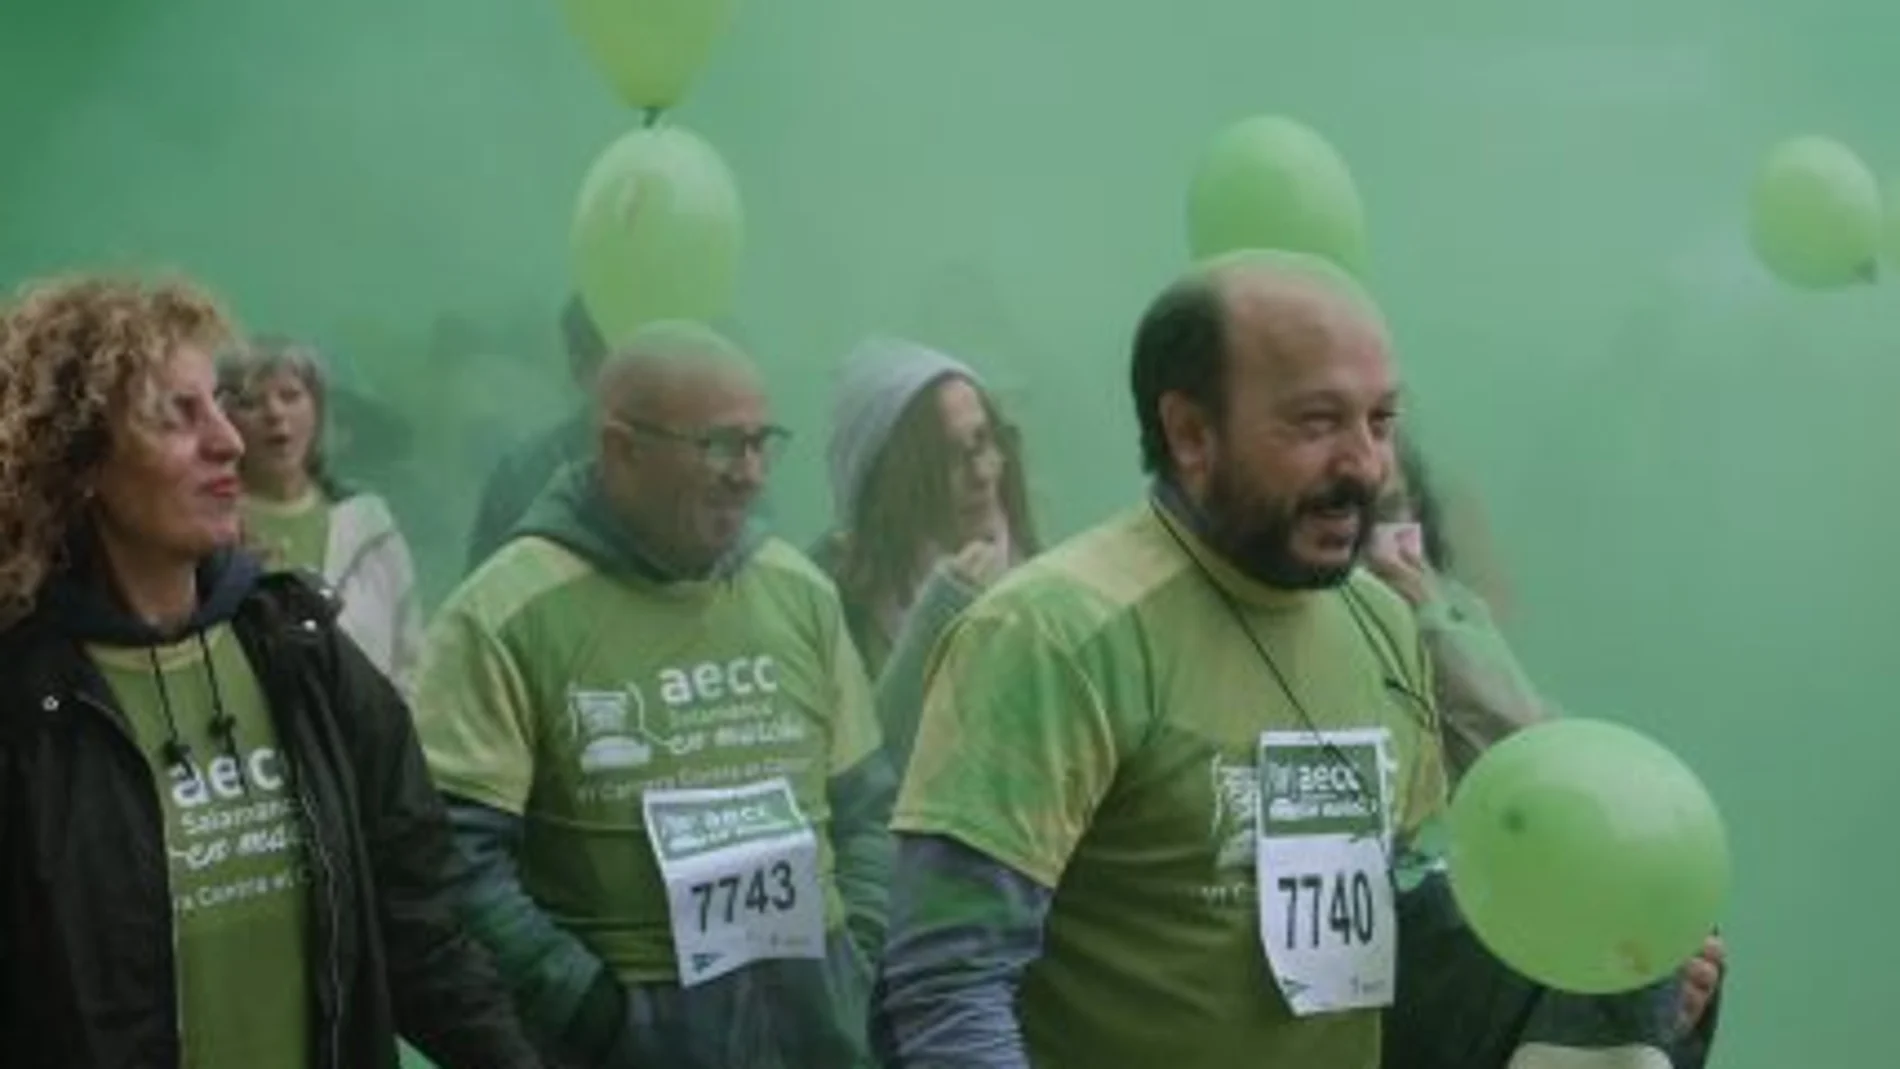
x=741, y=873
x=1327, y=918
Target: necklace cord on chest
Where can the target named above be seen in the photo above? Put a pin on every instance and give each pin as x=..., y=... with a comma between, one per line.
x=223, y=724
x=176, y=751
x=1391, y=680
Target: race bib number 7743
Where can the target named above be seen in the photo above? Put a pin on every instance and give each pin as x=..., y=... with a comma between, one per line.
x=1327, y=919
x=741, y=873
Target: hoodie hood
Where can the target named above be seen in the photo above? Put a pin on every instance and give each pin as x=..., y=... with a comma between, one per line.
x=878, y=380
x=574, y=513
x=78, y=603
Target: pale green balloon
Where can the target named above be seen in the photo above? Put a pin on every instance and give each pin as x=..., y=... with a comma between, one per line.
x=1891, y=232
x=1270, y=182
x=650, y=50
x=658, y=232
x=1816, y=215
x=1587, y=857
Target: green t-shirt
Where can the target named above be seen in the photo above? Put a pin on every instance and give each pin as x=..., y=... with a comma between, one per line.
x=289, y=534
x=558, y=692
x=239, y=883
x=1094, y=724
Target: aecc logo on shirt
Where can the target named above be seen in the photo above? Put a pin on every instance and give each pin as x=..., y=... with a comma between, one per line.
x=711, y=681
x=224, y=779
x=613, y=728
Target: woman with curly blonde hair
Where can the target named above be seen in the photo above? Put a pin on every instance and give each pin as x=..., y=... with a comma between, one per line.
x=219, y=847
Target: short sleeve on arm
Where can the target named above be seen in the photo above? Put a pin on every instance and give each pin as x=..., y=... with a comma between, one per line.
x=1016, y=747
x=474, y=713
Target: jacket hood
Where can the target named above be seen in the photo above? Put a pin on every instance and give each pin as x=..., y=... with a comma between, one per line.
x=574, y=513
x=878, y=381
x=78, y=602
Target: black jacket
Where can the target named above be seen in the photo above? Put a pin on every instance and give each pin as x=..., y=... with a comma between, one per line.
x=1458, y=1007
x=87, y=977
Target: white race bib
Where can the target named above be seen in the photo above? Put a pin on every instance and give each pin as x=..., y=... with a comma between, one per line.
x=1327, y=918
x=741, y=872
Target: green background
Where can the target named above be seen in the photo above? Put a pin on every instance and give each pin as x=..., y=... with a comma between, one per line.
x=1687, y=469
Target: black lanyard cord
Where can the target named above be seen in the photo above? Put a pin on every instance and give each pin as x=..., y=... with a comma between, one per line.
x=1391, y=681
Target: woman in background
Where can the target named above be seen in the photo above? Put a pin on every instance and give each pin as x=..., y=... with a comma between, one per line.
x=219, y=845
x=931, y=506
x=298, y=516
x=1482, y=692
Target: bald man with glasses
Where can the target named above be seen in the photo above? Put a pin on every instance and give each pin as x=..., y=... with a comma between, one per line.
x=658, y=745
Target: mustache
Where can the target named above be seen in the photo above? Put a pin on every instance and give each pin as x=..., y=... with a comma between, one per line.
x=1344, y=494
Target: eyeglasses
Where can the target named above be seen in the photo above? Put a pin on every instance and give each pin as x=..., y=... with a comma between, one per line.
x=989, y=444
x=721, y=448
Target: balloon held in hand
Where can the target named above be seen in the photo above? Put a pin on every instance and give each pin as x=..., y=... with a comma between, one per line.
x=1587, y=857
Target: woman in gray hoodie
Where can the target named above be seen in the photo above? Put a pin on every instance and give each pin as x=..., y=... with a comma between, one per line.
x=931, y=506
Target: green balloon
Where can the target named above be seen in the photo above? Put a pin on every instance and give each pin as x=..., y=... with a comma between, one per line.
x=649, y=49
x=657, y=233
x=1815, y=215
x=1587, y=857
x=1892, y=227
x=1272, y=183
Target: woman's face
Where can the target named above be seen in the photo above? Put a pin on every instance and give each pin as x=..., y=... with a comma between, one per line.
x=169, y=486
x=277, y=414
x=1397, y=530
x=1395, y=501
x=977, y=462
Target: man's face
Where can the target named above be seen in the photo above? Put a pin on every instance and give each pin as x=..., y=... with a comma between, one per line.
x=686, y=467
x=1301, y=454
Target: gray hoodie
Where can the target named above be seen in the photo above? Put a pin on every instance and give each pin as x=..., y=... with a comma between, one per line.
x=879, y=380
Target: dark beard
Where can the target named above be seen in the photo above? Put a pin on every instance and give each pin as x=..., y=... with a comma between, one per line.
x=1255, y=534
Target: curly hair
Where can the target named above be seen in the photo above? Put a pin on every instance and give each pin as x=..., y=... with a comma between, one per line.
x=74, y=352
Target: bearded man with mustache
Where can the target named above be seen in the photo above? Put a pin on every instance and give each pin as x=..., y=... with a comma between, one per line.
x=1165, y=803
x=1162, y=768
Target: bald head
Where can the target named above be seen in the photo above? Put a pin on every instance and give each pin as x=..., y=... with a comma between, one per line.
x=685, y=439
x=1299, y=302
x=663, y=364
x=1296, y=276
